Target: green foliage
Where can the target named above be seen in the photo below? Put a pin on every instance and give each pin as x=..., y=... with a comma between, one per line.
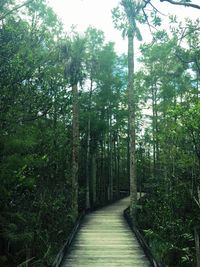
x=170, y=143
x=125, y=17
x=34, y=173
x=38, y=63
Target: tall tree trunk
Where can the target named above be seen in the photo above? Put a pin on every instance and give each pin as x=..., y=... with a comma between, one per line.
x=118, y=166
x=110, y=155
x=88, y=195
x=115, y=165
x=102, y=188
x=155, y=131
x=131, y=106
x=94, y=178
x=75, y=150
x=197, y=245
x=55, y=142
x=104, y=171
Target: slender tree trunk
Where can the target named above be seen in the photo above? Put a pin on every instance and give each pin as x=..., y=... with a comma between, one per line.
x=94, y=178
x=28, y=252
x=154, y=132
x=110, y=156
x=197, y=86
x=88, y=197
x=118, y=166
x=55, y=142
x=156, y=129
x=115, y=166
x=131, y=106
x=141, y=171
x=104, y=171
x=75, y=150
x=101, y=173
x=128, y=151
x=197, y=245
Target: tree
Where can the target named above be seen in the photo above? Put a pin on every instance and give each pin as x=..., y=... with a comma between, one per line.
x=94, y=42
x=35, y=131
x=129, y=28
x=75, y=51
x=15, y=8
x=172, y=200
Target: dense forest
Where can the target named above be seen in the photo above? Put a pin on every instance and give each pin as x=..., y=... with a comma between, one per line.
x=70, y=130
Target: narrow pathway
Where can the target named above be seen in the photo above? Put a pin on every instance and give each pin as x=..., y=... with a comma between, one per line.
x=105, y=240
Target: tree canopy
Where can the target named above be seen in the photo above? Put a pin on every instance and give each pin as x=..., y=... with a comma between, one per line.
x=70, y=130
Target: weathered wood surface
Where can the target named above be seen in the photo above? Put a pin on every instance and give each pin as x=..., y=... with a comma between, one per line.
x=105, y=240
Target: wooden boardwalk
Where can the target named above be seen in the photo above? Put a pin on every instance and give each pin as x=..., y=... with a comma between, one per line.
x=105, y=240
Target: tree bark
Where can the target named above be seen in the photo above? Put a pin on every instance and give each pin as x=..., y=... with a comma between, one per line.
x=116, y=165
x=75, y=150
x=110, y=154
x=94, y=179
x=197, y=246
x=186, y=4
x=88, y=197
x=155, y=131
x=131, y=106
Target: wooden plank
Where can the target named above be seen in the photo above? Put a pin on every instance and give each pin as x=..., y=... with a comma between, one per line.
x=105, y=240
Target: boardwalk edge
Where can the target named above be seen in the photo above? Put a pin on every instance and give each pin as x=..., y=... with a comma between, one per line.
x=62, y=253
x=154, y=262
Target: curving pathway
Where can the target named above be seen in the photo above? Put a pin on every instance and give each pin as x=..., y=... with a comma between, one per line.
x=105, y=240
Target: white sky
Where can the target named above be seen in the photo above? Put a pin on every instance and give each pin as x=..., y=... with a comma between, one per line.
x=97, y=13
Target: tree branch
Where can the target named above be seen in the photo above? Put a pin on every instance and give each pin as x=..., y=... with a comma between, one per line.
x=147, y=21
x=181, y=4
x=146, y=2
x=157, y=9
x=14, y=9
